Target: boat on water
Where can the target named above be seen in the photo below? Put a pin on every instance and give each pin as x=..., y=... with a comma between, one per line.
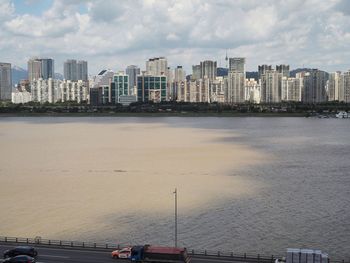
x=342, y=115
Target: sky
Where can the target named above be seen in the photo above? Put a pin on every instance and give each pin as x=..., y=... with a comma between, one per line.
x=117, y=33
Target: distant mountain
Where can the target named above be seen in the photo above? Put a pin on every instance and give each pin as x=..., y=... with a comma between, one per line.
x=18, y=73
x=293, y=72
x=252, y=75
x=221, y=72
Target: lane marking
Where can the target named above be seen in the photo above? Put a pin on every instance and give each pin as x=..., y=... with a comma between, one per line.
x=52, y=256
x=2, y=260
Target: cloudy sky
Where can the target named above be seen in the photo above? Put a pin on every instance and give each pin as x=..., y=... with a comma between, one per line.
x=116, y=33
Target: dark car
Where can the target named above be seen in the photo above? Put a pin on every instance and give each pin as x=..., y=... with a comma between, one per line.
x=20, y=259
x=23, y=250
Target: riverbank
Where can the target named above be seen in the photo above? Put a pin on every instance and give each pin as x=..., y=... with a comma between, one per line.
x=154, y=114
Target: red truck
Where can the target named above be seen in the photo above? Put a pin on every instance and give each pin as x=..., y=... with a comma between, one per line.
x=154, y=254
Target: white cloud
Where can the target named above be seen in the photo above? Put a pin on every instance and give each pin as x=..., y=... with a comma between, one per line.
x=117, y=33
x=6, y=10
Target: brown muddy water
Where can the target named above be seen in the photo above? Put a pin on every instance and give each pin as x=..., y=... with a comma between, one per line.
x=245, y=184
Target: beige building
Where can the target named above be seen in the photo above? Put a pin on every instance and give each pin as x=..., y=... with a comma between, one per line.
x=45, y=90
x=235, y=87
x=157, y=66
x=271, y=85
x=252, y=91
x=217, y=90
x=77, y=91
x=291, y=89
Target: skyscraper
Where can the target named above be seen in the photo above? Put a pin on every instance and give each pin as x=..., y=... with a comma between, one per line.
x=5, y=81
x=237, y=64
x=236, y=87
x=40, y=68
x=344, y=93
x=334, y=86
x=157, y=66
x=208, y=69
x=82, y=70
x=180, y=74
x=196, y=72
x=262, y=69
x=315, y=86
x=34, y=69
x=121, y=86
x=271, y=86
x=47, y=68
x=70, y=70
x=291, y=89
x=151, y=88
x=284, y=69
x=75, y=70
x=132, y=71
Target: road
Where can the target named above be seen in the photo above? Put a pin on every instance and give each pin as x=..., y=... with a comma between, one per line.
x=69, y=255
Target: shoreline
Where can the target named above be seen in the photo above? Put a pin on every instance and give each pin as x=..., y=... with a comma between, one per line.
x=157, y=114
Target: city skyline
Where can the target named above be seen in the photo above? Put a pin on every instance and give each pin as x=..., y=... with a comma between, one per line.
x=112, y=34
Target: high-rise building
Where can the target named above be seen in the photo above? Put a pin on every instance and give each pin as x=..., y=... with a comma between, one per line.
x=252, y=91
x=262, y=69
x=344, y=95
x=157, y=66
x=314, y=90
x=132, y=71
x=334, y=85
x=271, y=82
x=70, y=70
x=104, y=78
x=198, y=90
x=291, y=89
x=75, y=70
x=121, y=85
x=45, y=90
x=41, y=68
x=217, y=90
x=5, y=81
x=82, y=70
x=151, y=88
x=34, y=69
x=236, y=81
x=235, y=87
x=237, y=64
x=180, y=74
x=208, y=69
x=178, y=85
x=73, y=91
x=47, y=68
x=196, y=72
x=284, y=69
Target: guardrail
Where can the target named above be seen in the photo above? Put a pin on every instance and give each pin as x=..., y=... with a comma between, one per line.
x=60, y=243
x=198, y=253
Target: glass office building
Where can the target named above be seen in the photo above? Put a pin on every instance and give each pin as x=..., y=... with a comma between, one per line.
x=151, y=88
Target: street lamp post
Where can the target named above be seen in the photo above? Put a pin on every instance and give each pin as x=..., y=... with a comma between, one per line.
x=175, y=193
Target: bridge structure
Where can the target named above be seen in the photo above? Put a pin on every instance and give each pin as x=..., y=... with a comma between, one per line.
x=61, y=251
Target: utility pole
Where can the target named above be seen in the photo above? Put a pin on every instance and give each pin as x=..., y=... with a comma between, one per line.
x=175, y=193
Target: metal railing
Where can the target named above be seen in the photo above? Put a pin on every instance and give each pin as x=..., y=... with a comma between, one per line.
x=197, y=253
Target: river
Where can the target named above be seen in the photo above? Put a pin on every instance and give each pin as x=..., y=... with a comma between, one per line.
x=255, y=185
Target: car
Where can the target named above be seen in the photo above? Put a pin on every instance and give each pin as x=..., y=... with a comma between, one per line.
x=20, y=259
x=280, y=260
x=122, y=253
x=22, y=250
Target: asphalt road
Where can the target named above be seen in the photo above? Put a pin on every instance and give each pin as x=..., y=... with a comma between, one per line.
x=68, y=255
